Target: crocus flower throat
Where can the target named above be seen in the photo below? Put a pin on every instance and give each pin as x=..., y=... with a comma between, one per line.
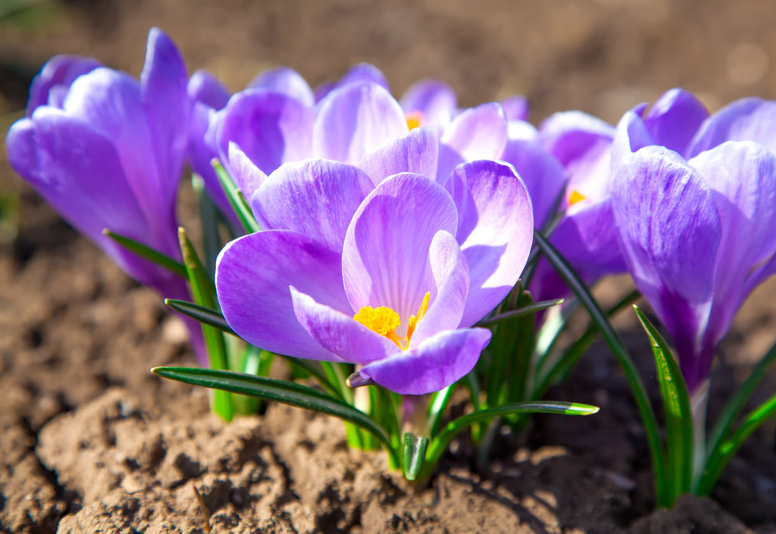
x=385, y=321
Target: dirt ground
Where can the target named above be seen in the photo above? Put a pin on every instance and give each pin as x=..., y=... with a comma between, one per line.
x=90, y=441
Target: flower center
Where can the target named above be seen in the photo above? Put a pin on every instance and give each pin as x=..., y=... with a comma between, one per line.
x=385, y=321
x=414, y=119
x=575, y=197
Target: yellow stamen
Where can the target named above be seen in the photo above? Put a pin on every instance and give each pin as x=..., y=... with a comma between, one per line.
x=413, y=322
x=414, y=119
x=381, y=320
x=575, y=197
x=385, y=321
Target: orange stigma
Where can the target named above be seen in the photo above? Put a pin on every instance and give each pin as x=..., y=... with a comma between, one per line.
x=385, y=321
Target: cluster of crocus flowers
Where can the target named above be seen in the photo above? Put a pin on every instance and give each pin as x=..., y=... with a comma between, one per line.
x=407, y=257
x=389, y=230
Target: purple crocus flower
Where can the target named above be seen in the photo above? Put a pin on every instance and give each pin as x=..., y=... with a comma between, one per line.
x=107, y=152
x=697, y=234
x=51, y=85
x=388, y=272
x=389, y=279
x=259, y=112
x=585, y=146
x=694, y=234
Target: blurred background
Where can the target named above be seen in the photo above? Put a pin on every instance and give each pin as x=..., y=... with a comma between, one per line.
x=600, y=56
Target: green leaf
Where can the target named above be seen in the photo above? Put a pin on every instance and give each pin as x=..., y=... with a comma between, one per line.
x=414, y=455
x=737, y=403
x=200, y=313
x=148, y=253
x=648, y=418
x=677, y=409
x=729, y=447
x=437, y=407
x=520, y=312
x=204, y=293
x=721, y=447
x=279, y=391
x=314, y=370
x=236, y=199
x=440, y=441
x=211, y=241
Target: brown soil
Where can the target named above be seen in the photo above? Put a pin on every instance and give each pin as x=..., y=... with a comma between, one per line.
x=91, y=442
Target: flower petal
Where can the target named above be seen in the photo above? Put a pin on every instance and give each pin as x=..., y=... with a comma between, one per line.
x=316, y=198
x=674, y=118
x=287, y=81
x=515, y=108
x=269, y=127
x=77, y=171
x=433, y=98
x=364, y=72
x=207, y=95
x=542, y=174
x=167, y=108
x=50, y=86
x=417, y=152
x=742, y=176
x=495, y=229
x=205, y=88
x=435, y=364
x=247, y=177
x=748, y=119
x=253, y=275
x=632, y=135
x=582, y=143
x=355, y=120
x=477, y=133
x=670, y=231
x=451, y=286
x=385, y=256
x=340, y=334
x=109, y=101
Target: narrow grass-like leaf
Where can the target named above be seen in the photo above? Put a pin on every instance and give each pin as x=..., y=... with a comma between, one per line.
x=440, y=441
x=729, y=447
x=437, y=407
x=520, y=312
x=236, y=199
x=279, y=391
x=204, y=293
x=646, y=411
x=414, y=455
x=737, y=402
x=200, y=313
x=209, y=215
x=314, y=370
x=551, y=370
x=677, y=409
x=148, y=253
x=720, y=445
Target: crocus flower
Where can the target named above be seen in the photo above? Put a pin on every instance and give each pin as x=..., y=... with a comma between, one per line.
x=107, y=152
x=693, y=234
x=585, y=146
x=51, y=85
x=259, y=107
x=389, y=275
x=697, y=234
